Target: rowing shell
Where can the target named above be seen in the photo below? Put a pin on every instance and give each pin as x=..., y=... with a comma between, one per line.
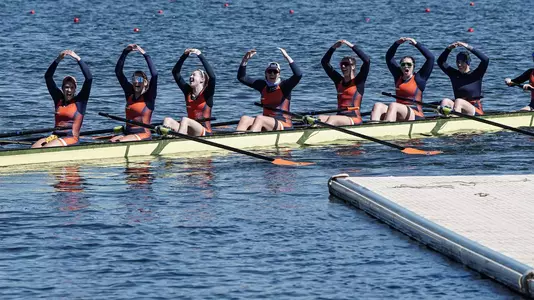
x=303, y=136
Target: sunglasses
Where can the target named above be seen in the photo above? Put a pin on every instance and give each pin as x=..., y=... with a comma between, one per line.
x=272, y=71
x=345, y=64
x=406, y=64
x=138, y=79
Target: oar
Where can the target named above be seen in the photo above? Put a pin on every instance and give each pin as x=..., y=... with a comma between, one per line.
x=450, y=111
x=363, y=136
x=15, y=142
x=28, y=132
x=276, y=161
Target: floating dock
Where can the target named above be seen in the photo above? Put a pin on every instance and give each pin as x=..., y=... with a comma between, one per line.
x=479, y=221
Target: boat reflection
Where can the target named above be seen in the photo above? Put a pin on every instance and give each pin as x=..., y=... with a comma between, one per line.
x=139, y=175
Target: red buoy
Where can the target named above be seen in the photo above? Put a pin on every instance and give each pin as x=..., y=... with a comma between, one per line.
x=160, y=11
x=472, y=3
x=136, y=29
x=226, y=4
x=32, y=12
x=427, y=10
x=291, y=11
x=367, y=20
x=470, y=29
x=76, y=20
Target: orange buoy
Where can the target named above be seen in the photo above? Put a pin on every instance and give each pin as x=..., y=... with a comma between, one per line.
x=291, y=11
x=470, y=29
x=136, y=29
x=76, y=20
x=427, y=10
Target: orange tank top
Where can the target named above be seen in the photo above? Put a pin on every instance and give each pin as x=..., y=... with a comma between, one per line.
x=276, y=99
x=348, y=96
x=137, y=110
x=198, y=109
x=408, y=89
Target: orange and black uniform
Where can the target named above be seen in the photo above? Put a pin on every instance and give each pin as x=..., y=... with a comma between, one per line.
x=467, y=86
x=201, y=106
x=69, y=113
x=349, y=94
x=274, y=95
x=412, y=88
x=527, y=75
x=139, y=109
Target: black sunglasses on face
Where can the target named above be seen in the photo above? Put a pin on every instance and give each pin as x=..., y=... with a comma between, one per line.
x=272, y=71
x=406, y=64
x=345, y=64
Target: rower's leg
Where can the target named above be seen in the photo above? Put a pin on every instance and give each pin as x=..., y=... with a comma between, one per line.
x=339, y=120
x=171, y=123
x=447, y=102
x=39, y=143
x=526, y=108
x=190, y=127
x=244, y=123
x=323, y=118
x=263, y=122
x=379, y=111
x=397, y=111
x=464, y=107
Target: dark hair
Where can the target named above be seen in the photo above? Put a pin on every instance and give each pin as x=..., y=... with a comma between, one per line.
x=69, y=79
x=464, y=56
x=351, y=59
x=410, y=57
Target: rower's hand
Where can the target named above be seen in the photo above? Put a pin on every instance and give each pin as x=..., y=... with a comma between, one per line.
x=141, y=50
x=452, y=46
x=444, y=110
x=308, y=120
x=528, y=87
x=62, y=55
x=131, y=47
x=462, y=44
x=508, y=81
x=286, y=56
x=194, y=51
x=73, y=55
x=411, y=41
x=249, y=55
x=349, y=44
x=337, y=44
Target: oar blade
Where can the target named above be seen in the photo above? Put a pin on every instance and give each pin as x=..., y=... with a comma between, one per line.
x=283, y=162
x=415, y=151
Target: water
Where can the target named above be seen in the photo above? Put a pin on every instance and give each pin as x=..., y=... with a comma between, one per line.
x=228, y=226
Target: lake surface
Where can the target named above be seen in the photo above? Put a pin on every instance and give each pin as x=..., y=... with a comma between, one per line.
x=228, y=226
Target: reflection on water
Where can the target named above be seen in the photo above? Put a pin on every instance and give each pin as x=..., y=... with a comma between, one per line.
x=195, y=173
x=139, y=176
x=69, y=185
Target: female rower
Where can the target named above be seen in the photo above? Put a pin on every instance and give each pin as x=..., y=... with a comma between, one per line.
x=349, y=86
x=69, y=108
x=407, y=84
x=140, y=96
x=466, y=84
x=527, y=75
x=274, y=93
x=198, y=97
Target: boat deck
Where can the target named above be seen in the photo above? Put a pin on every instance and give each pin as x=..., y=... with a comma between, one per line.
x=480, y=221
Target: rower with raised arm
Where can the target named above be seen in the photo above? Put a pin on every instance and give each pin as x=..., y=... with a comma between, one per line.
x=69, y=107
x=527, y=75
x=198, y=97
x=140, y=96
x=466, y=84
x=274, y=93
x=407, y=84
x=350, y=84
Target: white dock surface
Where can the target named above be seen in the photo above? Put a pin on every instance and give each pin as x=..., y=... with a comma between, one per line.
x=493, y=211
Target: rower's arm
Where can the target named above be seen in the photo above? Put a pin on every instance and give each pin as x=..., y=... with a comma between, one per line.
x=153, y=85
x=257, y=84
x=53, y=89
x=366, y=64
x=330, y=71
x=289, y=84
x=126, y=86
x=428, y=66
x=442, y=61
x=176, y=73
x=210, y=89
x=523, y=77
x=86, y=88
x=484, y=61
x=393, y=66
